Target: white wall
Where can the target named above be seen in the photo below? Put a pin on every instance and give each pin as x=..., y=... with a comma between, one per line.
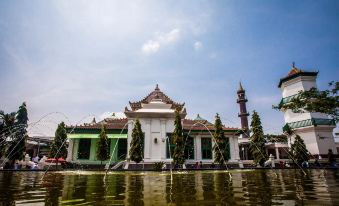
x=157, y=128
x=290, y=116
x=154, y=128
x=317, y=139
x=297, y=84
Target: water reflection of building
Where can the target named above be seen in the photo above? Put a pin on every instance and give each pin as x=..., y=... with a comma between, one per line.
x=156, y=113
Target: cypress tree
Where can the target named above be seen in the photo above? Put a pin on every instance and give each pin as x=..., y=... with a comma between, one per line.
x=17, y=146
x=59, y=143
x=178, y=153
x=221, y=146
x=257, y=140
x=299, y=151
x=102, y=146
x=135, y=151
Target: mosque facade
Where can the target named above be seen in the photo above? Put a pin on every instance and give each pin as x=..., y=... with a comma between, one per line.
x=156, y=113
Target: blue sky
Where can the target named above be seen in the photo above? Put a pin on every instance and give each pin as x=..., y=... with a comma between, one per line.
x=86, y=58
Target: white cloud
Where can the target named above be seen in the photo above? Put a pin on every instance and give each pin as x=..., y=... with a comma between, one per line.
x=72, y=73
x=170, y=37
x=150, y=47
x=161, y=39
x=197, y=46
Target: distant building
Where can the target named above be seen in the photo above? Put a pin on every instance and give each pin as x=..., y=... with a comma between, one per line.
x=156, y=113
x=38, y=145
x=315, y=129
x=276, y=148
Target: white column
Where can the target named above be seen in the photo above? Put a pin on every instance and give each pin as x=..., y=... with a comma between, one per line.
x=147, y=142
x=75, y=149
x=231, y=142
x=198, y=156
x=163, y=137
x=129, y=135
x=277, y=153
x=70, y=150
x=236, y=148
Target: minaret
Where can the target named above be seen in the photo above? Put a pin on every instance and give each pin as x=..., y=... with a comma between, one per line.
x=243, y=111
x=314, y=128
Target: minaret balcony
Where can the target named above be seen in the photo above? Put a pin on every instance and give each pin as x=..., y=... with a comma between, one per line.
x=243, y=114
x=242, y=100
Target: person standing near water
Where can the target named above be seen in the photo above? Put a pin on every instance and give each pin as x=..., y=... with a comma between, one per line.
x=197, y=166
x=331, y=158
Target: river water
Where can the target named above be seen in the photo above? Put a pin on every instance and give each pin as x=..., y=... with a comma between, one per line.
x=247, y=187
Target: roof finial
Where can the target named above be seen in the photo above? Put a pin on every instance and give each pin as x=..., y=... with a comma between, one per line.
x=199, y=118
x=94, y=121
x=240, y=87
x=157, y=87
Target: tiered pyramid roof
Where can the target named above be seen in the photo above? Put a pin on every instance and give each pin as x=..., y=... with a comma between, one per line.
x=295, y=72
x=157, y=95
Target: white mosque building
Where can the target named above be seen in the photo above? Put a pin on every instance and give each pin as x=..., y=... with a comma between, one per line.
x=156, y=113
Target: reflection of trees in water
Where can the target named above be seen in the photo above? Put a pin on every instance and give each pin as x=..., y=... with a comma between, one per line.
x=182, y=190
x=93, y=189
x=332, y=181
x=287, y=179
x=135, y=190
x=79, y=186
x=258, y=187
x=296, y=184
x=224, y=188
x=208, y=187
x=53, y=183
x=304, y=186
x=115, y=188
x=6, y=194
x=96, y=189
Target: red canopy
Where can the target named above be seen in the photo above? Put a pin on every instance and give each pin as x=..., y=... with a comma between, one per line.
x=55, y=160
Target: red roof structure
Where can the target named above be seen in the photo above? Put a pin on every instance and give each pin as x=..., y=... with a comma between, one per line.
x=109, y=123
x=119, y=124
x=202, y=125
x=295, y=72
x=158, y=95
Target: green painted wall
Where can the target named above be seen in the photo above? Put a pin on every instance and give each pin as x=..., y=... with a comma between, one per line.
x=93, y=149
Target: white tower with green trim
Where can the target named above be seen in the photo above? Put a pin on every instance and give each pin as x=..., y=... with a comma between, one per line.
x=316, y=129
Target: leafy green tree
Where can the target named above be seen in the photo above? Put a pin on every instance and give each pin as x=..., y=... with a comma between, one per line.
x=299, y=151
x=102, y=146
x=178, y=153
x=7, y=129
x=17, y=146
x=59, y=143
x=135, y=151
x=314, y=100
x=221, y=147
x=257, y=140
x=276, y=138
